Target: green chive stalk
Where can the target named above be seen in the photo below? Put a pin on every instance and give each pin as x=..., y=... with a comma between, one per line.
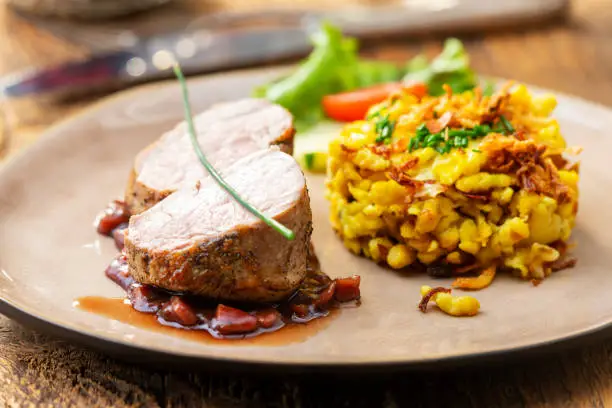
x=280, y=228
x=506, y=124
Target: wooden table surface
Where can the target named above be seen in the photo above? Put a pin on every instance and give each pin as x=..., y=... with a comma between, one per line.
x=572, y=56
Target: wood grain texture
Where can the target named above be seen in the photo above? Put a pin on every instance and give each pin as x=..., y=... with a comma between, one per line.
x=574, y=56
x=37, y=370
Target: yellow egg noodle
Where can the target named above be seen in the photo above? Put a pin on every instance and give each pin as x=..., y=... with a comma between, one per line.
x=462, y=181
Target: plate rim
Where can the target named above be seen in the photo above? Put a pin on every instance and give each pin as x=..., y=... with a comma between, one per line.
x=139, y=354
x=127, y=349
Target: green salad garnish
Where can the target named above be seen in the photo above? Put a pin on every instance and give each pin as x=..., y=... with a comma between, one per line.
x=330, y=68
x=334, y=66
x=451, y=67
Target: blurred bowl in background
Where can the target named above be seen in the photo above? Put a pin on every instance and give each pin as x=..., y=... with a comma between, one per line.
x=84, y=9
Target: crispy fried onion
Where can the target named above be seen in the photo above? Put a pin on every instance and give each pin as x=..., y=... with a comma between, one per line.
x=482, y=197
x=561, y=246
x=431, y=188
x=563, y=263
x=427, y=297
x=383, y=250
x=496, y=104
x=386, y=151
x=477, y=282
x=573, y=167
x=409, y=164
x=382, y=150
x=535, y=172
x=467, y=268
x=415, y=188
x=397, y=174
x=436, y=125
x=560, y=162
x=347, y=149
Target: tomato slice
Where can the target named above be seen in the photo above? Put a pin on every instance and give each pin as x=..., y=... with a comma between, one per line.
x=353, y=105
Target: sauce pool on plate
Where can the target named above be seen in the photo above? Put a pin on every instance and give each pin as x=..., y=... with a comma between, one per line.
x=198, y=318
x=120, y=310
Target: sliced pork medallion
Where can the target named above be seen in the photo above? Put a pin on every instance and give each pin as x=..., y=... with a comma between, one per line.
x=200, y=240
x=226, y=131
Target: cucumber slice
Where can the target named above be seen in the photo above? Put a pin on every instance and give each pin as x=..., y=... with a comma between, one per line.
x=315, y=162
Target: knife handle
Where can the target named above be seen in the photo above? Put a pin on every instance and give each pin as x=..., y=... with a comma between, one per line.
x=96, y=70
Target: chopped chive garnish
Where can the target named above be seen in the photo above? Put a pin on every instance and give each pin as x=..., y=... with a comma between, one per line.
x=477, y=151
x=413, y=144
x=384, y=129
x=447, y=139
x=431, y=140
x=373, y=115
x=441, y=149
x=280, y=228
x=506, y=124
x=460, y=141
x=481, y=130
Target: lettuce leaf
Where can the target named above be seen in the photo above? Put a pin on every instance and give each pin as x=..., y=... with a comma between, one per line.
x=377, y=72
x=451, y=67
x=488, y=88
x=331, y=67
x=334, y=66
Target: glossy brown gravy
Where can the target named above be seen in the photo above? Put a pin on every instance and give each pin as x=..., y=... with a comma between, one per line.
x=118, y=309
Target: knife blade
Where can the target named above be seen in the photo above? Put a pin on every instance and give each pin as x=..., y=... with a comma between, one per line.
x=150, y=59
